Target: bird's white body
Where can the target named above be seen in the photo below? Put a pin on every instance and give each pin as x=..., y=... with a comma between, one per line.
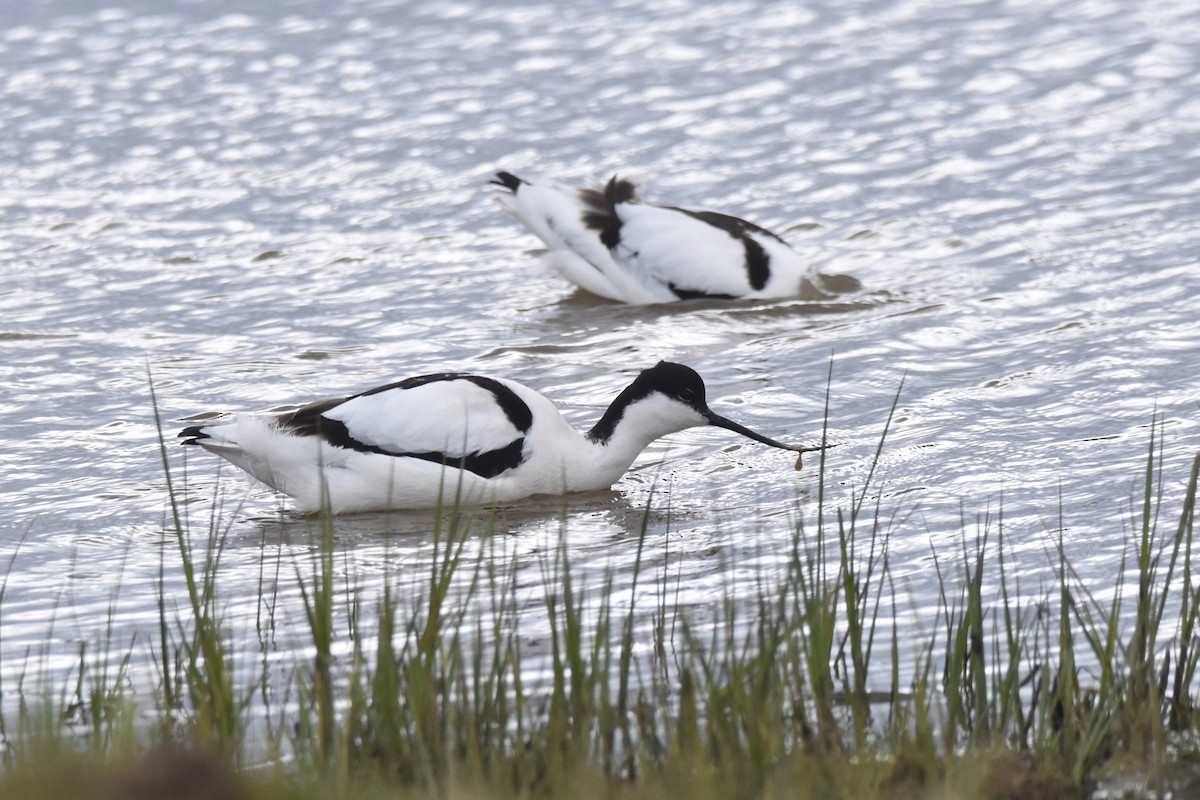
x=612, y=245
x=452, y=439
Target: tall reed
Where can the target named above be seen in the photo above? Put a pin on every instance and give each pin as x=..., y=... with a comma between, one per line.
x=802, y=687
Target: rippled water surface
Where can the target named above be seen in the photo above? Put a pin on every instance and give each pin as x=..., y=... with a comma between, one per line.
x=259, y=204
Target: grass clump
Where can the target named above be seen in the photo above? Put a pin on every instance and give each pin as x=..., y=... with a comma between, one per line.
x=810, y=688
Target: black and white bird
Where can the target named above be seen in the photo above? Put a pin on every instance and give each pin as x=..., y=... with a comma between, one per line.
x=456, y=438
x=609, y=243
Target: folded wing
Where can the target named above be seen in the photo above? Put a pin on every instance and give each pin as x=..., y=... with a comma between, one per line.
x=467, y=421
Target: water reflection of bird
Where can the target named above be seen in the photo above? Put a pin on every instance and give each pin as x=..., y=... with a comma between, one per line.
x=607, y=242
x=456, y=438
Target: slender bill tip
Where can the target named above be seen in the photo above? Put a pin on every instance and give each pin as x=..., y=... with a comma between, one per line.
x=728, y=424
x=800, y=451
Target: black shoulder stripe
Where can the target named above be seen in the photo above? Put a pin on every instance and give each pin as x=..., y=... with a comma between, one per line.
x=310, y=420
x=337, y=434
x=758, y=263
x=486, y=465
x=412, y=383
x=734, y=226
x=514, y=407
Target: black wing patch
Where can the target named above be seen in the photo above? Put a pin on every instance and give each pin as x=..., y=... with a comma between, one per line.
x=485, y=465
x=311, y=421
x=601, y=213
x=692, y=294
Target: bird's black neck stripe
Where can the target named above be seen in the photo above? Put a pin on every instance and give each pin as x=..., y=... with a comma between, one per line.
x=603, y=430
x=672, y=380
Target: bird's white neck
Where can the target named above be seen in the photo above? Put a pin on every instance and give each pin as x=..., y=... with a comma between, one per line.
x=623, y=433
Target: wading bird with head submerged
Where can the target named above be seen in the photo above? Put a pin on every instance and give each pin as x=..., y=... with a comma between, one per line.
x=609, y=243
x=456, y=438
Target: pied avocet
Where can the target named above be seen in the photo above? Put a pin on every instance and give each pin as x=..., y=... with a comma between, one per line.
x=609, y=243
x=453, y=437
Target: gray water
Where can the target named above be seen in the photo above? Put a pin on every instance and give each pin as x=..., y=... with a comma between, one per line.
x=270, y=203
